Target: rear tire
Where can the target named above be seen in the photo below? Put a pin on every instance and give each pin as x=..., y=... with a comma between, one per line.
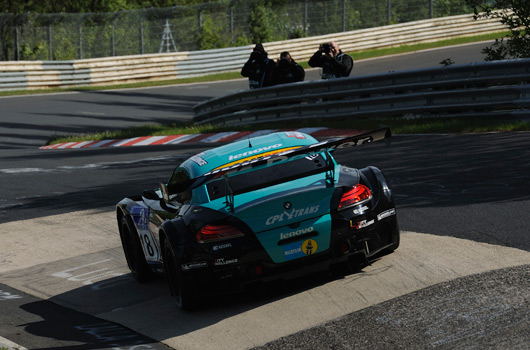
x=134, y=253
x=179, y=287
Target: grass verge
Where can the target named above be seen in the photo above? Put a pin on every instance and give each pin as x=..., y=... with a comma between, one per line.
x=358, y=55
x=397, y=125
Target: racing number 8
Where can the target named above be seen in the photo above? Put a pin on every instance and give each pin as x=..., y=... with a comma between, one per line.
x=148, y=246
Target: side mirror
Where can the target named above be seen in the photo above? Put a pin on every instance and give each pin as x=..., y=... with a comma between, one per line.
x=165, y=192
x=150, y=194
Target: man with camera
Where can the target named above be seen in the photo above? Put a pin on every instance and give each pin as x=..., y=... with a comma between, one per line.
x=258, y=68
x=334, y=62
x=287, y=70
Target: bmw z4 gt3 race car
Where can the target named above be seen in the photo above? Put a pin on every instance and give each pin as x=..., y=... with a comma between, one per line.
x=252, y=211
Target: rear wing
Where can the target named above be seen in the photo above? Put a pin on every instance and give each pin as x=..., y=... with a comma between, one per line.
x=295, y=169
x=328, y=145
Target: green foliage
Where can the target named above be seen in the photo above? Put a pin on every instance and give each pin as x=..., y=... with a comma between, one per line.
x=260, y=21
x=29, y=53
x=65, y=29
x=210, y=36
x=241, y=40
x=516, y=15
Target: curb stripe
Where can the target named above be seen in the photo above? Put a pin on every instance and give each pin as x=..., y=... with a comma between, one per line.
x=228, y=136
x=219, y=136
x=166, y=140
x=182, y=139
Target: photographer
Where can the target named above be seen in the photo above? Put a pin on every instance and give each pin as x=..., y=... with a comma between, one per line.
x=287, y=70
x=334, y=63
x=258, y=68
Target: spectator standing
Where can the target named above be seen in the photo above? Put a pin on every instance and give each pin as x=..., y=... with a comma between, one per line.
x=258, y=68
x=334, y=62
x=287, y=70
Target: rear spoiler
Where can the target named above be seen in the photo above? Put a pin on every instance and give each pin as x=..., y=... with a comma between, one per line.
x=328, y=145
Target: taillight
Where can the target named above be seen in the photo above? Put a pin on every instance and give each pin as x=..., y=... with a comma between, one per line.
x=354, y=196
x=217, y=232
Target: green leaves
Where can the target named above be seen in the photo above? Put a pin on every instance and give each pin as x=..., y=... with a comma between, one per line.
x=516, y=15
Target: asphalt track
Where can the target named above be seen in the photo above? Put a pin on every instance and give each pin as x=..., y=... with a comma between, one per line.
x=460, y=279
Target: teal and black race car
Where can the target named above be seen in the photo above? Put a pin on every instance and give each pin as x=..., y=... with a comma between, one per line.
x=252, y=211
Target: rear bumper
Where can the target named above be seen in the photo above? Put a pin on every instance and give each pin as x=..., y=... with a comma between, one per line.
x=347, y=248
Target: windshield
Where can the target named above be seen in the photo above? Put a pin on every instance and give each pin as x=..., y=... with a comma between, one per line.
x=271, y=175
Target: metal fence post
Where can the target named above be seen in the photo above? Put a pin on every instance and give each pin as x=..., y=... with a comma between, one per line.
x=112, y=37
x=80, y=39
x=389, y=11
x=232, y=4
x=431, y=8
x=199, y=19
x=16, y=44
x=50, y=48
x=343, y=15
x=305, y=17
x=141, y=35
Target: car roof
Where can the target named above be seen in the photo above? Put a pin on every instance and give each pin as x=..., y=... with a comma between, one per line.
x=245, y=149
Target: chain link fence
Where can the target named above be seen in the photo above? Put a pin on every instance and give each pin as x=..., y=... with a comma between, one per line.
x=225, y=23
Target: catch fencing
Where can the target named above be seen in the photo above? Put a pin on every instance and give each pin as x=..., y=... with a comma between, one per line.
x=481, y=89
x=178, y=65
x=215, y=24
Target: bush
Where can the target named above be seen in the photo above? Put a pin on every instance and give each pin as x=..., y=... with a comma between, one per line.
x=513, y=13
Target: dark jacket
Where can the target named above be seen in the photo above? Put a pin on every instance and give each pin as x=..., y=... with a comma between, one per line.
x=287, y=71
x=332, y=67
x=258, y=68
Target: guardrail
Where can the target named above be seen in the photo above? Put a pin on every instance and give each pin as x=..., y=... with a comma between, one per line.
x=472, y=89
x=20, y=75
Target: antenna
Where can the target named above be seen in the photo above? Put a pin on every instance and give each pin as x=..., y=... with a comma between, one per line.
x=167, y=39
x=248, y=137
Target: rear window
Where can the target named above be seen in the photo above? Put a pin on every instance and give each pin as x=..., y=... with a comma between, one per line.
x=268, y=176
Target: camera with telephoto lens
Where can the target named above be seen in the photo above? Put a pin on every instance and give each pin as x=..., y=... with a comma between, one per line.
x=326, y=47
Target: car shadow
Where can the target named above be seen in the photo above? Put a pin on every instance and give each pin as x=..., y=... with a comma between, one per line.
x=120, y=304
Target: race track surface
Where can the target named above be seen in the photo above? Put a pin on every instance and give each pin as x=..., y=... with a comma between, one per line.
x=459, y=280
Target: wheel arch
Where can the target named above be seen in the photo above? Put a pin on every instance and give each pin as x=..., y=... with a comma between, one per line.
x=173, y=231
x=377, y=181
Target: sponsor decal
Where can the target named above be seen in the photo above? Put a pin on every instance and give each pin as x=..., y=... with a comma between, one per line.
x=361, y=224
x=292, y=214
x=222, y=246
x=357, y=142
x=309, y=247
x=199, y=160
x=254, y=151
x=295, y=134
x=140, y=217
x=360, y=210
x=296, y=233
x=312, y=156
x=386, y=214
x=292, y=251
x=222, y=261
x=194, y=265
x=297, y=250
x=249, y=161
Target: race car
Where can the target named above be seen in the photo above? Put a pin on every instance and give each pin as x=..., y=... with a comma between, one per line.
x=257, y=210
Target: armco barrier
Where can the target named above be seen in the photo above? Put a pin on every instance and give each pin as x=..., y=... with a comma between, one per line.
x=17, y=75
x=500, y=87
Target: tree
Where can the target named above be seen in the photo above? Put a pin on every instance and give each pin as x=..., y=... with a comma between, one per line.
x=210, y=36
x=516, y=15
x=260, y=23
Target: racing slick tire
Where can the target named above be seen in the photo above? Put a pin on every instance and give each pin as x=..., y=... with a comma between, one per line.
x=178, y=286
x=133, y=251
